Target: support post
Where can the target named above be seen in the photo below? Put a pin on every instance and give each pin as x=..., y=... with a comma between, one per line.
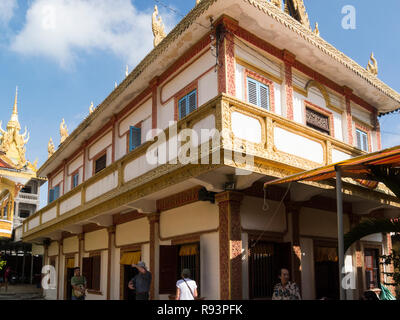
x=31, y=280
x=339, y=198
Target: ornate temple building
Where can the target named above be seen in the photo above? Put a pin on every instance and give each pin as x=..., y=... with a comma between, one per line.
x=19, y=191
x=284, y=101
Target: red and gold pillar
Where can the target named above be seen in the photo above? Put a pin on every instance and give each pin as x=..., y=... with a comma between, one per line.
x=230, y=245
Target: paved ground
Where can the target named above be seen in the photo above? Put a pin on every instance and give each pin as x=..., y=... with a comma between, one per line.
x=21, y=292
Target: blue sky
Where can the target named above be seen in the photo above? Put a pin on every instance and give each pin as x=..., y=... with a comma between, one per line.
x=63, y=54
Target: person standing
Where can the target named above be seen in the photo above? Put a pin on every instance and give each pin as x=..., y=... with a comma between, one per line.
x=286, y=290
x=7, y=274
x=78, y=284
x=186, y=289
x=141, y=282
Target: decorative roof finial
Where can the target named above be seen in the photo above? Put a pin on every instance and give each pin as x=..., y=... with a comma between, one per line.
x=316, y=30
x=91, y=108
x=15, y=109
x=50, y=148
x=373, y=67
x=157, y=27
x=14, y=123
x=63, y=131
x=115, y=84
x=126, y=71
x=197, y=2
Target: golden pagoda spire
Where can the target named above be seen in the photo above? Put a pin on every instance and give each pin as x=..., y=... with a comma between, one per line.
x=14, y=123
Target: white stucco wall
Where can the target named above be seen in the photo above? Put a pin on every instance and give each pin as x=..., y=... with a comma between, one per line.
x=253, y=217
x=298, y=145
x=209, y=266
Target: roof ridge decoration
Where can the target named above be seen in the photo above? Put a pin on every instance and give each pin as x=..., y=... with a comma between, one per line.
x=373, y=67
x=157, y=27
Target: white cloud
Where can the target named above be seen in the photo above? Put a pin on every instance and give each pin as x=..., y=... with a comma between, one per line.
x=7, y=8
x=62, y=29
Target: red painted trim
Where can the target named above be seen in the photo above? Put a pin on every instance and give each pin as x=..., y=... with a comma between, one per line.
x=99, y=134
x=164, y=102
x=135, y=103
x=308, y=104
x=260, y=78
x=84, y=147
x=99, y=138
x=186, y=57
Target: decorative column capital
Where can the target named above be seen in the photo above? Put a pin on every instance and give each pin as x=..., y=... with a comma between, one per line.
x=154, y=82
x=289, y=57
x=347, y=92
x=111, y=229
x=231, y=196
x=154, y=217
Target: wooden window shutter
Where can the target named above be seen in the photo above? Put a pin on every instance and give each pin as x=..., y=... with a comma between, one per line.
x=56, y=192
x=252, y=91
x=135, y=138
x=182, y=107
x=51, y=195
x=264, y=97
x=192, y=101
x=96, y=267
x=87, y=271
x=168, y=269
x=100, y=163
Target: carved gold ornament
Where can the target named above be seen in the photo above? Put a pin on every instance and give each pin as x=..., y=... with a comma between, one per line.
x=157, y=27
x=197, y=2
x=316, y=30
x=50, y=148
x=373, y=67
x=91, y=108
x=126, y=71
x=12, y=143
x=278, y=3
x=63, y=131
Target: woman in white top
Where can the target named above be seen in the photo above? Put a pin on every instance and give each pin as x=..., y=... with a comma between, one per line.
x=186, y=289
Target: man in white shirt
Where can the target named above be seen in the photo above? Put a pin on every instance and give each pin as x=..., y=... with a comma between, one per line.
x=186, y=289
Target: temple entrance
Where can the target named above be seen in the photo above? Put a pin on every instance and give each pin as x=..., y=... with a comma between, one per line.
x=326, y=272
x=265, y=261
x=127, y=273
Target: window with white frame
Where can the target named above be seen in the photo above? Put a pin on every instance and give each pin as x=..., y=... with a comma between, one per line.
x=362, y=140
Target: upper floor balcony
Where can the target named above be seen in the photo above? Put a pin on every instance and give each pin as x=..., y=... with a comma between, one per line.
x=274, y=146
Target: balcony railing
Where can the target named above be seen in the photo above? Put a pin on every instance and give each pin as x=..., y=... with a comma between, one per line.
x=28, y=196
x=257, y=132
